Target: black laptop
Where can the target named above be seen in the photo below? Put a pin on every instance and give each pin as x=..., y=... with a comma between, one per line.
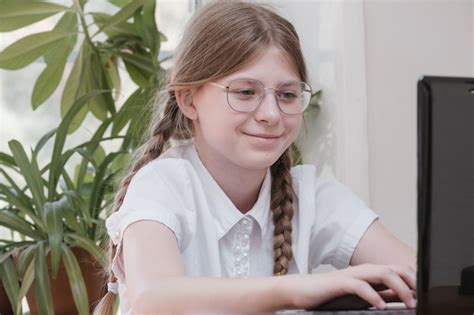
x=445, y=283
x=445, y=196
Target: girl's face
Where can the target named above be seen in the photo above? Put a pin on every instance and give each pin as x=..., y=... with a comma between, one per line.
x=249, y=140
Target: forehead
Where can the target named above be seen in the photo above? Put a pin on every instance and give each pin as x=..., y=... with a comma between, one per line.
x=272, y=66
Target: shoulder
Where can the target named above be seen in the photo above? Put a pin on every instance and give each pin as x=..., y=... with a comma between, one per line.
x=324, y=197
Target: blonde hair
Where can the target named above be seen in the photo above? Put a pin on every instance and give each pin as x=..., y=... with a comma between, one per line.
x=221, y=38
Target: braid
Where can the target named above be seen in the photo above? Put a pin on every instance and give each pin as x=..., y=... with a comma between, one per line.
x=151, y=149
x=282, y=208
x=169, y=125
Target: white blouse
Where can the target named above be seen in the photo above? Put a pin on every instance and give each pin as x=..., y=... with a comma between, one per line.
x=216, y=240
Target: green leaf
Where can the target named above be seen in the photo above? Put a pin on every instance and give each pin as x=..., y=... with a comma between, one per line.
x=123, y=15
x=56, y=59
x=146, y=27
x=88, y=245
x=7, y=160
x=24, y=259
x=76, y=281
x=70, y=219
x=96, y=197
x=99, y=154
x=77, y=202
x=26, y=50
x=120, y=3
x=21, y=201
x=14, y=190
x=67, y=23
x=42, y=285
x=14, y=223
x=314, y=103
x=120, y=163
x=113, y=72
x=30, y=173
x=43, y=141
x=120, y=28
x=16, y=247
x=53, y=212
x=17, y=14
x=139, y=60
x=27, y=280
x=96, y=81
x=67, y=181
x=139, y=76
x=60, y=140
x=49, y=79
x=10, y=282
x=75, y=87
x=91, y=146
x=128, y=110
x=295, y=154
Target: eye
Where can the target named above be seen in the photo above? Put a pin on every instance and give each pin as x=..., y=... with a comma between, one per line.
x=243, y=93
x=246, y=92
x=287, y=96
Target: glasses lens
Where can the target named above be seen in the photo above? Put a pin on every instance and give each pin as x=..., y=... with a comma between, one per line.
x=293, y=97
x=244, y=95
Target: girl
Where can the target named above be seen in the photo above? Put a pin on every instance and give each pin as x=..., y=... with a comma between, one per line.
x=222, y=222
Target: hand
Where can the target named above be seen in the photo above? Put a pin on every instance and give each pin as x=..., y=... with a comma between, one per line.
x=376, y=284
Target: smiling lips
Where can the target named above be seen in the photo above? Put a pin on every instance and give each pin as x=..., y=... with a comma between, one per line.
x=263, y=136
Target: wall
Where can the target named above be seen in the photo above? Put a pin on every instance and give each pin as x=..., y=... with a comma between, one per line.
x=404, y=40
x=367, y=57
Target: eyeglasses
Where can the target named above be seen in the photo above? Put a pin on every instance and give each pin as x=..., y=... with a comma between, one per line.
x=245, y=95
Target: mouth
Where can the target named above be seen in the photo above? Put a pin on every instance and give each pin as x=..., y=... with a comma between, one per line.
x=263, y=136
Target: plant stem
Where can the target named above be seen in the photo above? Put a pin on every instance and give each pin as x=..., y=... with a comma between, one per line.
x=83, y=23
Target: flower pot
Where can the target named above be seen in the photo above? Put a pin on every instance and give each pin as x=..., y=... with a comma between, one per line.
x=63, y=301
x=5, y=306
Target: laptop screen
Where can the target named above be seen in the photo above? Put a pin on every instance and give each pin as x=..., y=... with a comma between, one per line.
x=446, y=195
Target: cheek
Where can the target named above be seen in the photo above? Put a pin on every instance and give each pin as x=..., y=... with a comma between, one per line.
x=293, y=125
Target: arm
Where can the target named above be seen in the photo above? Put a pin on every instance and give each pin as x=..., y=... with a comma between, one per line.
x=157, y=283
x=379, y=246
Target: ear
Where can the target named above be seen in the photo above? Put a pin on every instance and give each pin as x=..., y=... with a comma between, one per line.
x=184, y=98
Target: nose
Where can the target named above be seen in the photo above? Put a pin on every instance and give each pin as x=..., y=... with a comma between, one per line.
x=268, y=111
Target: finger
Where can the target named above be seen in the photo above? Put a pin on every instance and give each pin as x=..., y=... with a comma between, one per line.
x=389, y=296
x=408, y=275
x=400, y=287
x=379, y=286
x=365, y=291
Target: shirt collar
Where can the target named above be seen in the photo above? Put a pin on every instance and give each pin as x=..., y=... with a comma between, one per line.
x=224, y=212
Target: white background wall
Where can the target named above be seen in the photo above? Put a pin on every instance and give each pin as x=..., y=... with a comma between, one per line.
x=367, y=57
x=404, y=40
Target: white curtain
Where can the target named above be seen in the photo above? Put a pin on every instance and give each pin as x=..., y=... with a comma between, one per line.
x=333, y=40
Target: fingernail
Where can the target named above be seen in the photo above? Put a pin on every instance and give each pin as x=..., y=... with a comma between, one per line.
x=382, y=305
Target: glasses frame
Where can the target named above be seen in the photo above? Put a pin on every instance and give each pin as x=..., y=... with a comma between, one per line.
x=265, y=89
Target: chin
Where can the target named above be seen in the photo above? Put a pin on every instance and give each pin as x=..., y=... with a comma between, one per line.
x=259, y=161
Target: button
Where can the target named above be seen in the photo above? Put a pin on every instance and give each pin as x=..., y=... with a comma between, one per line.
x=237, y=249
x=244, y=254
x=246, y=236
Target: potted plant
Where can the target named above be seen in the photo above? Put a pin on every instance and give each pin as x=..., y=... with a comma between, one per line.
x=56, y=213
x=52, y=211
